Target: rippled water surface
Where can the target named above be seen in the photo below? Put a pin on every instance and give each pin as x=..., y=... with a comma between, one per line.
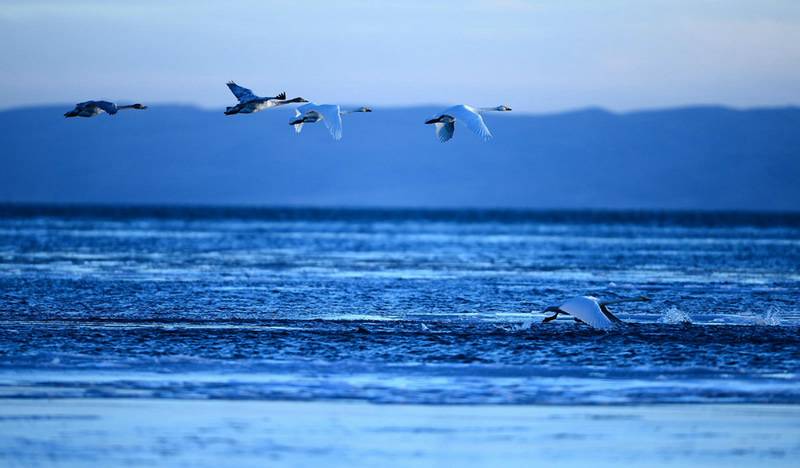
x=396, y=306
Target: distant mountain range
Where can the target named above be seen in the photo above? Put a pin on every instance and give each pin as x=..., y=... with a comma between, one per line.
x=687, y=158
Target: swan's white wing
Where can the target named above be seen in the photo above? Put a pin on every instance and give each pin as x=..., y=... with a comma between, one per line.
x=242, y=94
x=300, y=110
x=332, y=118
x=445, y=130
x=587, y=309
x=471, y=118
x=109, y=107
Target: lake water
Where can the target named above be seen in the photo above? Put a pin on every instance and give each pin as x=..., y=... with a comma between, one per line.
x=420, y=307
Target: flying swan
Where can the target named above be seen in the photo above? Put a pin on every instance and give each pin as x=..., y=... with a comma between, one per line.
x=249, y=102
x=329, y=114
x=92, y=108
x=467, y=115
x=590, y=310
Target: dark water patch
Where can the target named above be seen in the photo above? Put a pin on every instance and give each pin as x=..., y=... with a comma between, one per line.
x=649, y=217
x=388, y=362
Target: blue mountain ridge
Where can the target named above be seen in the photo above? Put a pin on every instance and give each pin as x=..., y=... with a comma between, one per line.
x=684, y=158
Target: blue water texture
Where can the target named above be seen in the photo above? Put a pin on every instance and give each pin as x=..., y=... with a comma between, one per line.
x=396, y=306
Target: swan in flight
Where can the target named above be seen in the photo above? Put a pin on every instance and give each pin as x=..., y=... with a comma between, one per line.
x=249, y=102
x=467, y=115
x=591, y=311
x=92, y=108
x=329, y=114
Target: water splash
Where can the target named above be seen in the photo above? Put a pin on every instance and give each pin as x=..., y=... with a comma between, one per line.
x=516, y=327
x=674, y=315
x=771, y=318
x=524, y=326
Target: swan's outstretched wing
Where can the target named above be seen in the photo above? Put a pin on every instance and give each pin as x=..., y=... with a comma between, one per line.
x=444, y=130
x=109, y=107
x=332, y=118
x=587, y=310
x=471, y=118
x=242, y=94
x=301, y=110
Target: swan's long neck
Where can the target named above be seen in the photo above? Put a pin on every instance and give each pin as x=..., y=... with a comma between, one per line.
x=488, y=109
x=626, y=299
x=131, y=106
x=351, y=111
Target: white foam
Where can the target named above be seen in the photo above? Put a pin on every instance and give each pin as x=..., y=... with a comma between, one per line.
x=674, y=315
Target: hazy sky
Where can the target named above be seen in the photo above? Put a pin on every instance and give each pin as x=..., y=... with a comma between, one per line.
x=533, y=55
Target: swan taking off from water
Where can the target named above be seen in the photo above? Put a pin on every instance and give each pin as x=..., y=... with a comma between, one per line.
x=467, y=115
x=591, y=311
x=329, y=114
x=249, y=102
x=92, y=108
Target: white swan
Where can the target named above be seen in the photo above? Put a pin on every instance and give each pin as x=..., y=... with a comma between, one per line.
x=329, y=114
x=249, y=102
x=592, y=311
x=92, y=108
x=467, y=115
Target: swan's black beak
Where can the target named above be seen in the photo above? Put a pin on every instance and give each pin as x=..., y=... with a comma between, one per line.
x=431, y=121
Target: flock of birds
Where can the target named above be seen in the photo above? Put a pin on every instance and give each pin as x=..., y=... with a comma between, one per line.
x=584, y=309
x=310, y=112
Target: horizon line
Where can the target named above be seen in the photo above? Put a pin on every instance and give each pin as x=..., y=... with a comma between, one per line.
x=7, y=205
x=568, y=110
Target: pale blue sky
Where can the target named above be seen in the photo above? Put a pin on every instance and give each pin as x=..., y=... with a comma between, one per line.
x=536, y=56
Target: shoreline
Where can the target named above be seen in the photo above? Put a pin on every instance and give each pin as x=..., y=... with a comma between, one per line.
x=115, y=432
